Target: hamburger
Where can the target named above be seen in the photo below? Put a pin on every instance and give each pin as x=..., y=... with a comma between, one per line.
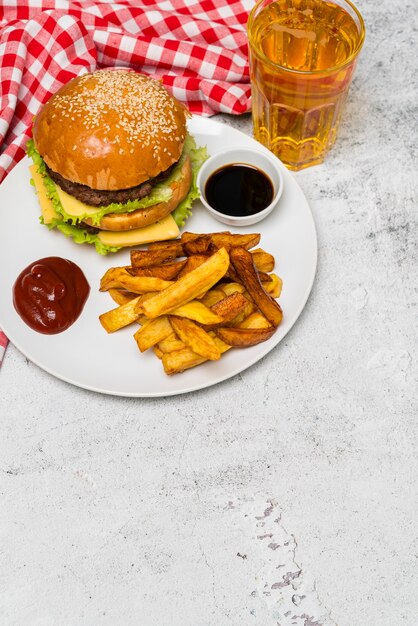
x=113, y=162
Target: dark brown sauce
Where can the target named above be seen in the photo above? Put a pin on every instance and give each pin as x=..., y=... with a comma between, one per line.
x=50, y=294
x=239, y=189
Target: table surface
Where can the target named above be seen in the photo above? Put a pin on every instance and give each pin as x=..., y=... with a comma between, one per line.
x=286, y=495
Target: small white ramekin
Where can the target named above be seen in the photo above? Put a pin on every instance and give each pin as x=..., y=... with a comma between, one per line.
x=244, y=156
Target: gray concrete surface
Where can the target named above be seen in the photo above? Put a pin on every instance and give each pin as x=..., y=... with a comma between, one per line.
x=286, y=496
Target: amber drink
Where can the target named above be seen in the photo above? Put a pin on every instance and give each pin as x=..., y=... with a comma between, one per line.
x=303, y=54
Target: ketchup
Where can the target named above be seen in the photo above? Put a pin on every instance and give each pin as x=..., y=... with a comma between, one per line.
x=50, y=294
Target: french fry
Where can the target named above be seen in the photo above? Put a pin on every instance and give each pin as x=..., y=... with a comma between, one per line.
x=188, y=287
x=233, y=276
x=110, y=276
x=254, y=320
x=243, y=263
x=121, y=316
x=181, y=360
x=197, y=339
x=194, y=309
x=152, y=332
x=171, y=343
x=119, y=278
x=233, y=287
x=175, y=362
x=212, y=296
x=120, y=296
x=158, y=353
x=198, y=312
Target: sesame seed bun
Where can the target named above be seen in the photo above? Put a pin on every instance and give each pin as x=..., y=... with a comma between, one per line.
x=110, y=130
x=113, y=159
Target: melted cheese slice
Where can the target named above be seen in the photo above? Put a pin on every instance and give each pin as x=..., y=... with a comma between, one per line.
x=47, y=208
x=164, y=229
x=74, y=207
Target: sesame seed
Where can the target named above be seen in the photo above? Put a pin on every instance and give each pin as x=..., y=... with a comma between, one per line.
x=137, y=107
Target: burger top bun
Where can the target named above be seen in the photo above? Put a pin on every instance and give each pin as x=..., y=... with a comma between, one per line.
x=112, y=129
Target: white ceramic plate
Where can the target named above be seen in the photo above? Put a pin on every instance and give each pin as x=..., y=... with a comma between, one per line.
x=85, y=355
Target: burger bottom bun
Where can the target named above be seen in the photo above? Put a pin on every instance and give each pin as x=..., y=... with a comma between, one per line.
x=152, y=214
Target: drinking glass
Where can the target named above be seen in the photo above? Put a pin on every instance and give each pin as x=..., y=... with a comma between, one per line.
x=303, y=54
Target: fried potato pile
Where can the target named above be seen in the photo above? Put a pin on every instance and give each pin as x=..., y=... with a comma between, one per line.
x=196, y=297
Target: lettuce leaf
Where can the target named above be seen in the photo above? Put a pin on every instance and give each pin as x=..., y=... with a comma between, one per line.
x=82, y=235
x=72, y=227
x=197, y=157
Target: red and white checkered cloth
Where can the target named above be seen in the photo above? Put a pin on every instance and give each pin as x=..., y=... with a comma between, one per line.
x=198, y=48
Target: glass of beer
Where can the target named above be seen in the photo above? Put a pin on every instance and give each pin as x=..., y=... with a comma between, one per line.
x=303, y=55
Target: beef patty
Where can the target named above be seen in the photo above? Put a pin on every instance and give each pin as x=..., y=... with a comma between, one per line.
x=99, y=197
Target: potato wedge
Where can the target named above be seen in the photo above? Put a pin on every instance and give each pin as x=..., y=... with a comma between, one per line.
x=244, y=337
x=231, y=240
x=263, y=261
x=243, y=263
x=207, y=243
x=166, y=271
x=153, y=256
x=187, y=236
x=224, y=239
x=200, y=245
x=234, y=277
x=175, y=246
x=170, y=249
x=188, y=287
x=264, y=277
x=195, y=337
x=121, y=316
x=274, y=286
x=228, y=308
x=191, y=263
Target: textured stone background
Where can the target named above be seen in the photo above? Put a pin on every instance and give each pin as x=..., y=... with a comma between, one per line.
x=293, y=484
